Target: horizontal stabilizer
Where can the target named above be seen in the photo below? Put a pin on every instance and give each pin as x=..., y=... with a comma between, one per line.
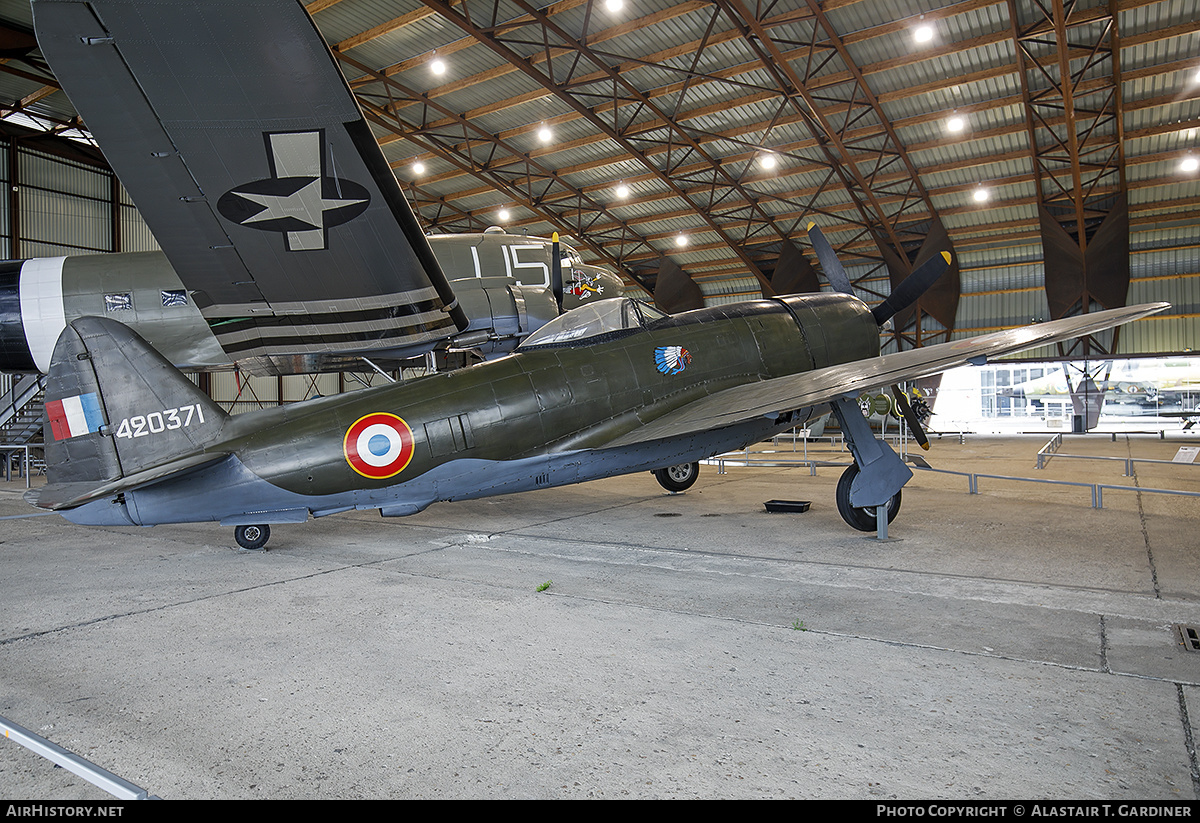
x=59, y=496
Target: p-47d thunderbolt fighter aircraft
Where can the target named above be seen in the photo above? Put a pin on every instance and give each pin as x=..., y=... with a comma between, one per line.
x=606, y=389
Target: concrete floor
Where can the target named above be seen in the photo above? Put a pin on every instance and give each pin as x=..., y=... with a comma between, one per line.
x=1012, y=644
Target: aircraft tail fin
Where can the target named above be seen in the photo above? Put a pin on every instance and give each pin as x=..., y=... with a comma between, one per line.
x=116, y=408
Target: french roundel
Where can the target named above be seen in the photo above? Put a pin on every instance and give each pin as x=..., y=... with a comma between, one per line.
x=378, y=445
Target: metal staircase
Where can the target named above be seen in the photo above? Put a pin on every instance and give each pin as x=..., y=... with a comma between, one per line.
x=21, y=408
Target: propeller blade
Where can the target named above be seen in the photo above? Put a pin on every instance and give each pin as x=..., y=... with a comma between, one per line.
x=912, y=288
x=556, y=277
x=829, y=261
x=910, y=417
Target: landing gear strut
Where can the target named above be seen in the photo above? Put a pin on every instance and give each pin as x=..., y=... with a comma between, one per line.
x=677, y=478
x=252, y=537
x=868, y=492
x=863, y=519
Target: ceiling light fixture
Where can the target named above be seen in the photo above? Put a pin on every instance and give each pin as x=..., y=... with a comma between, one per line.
x=438, y=66
x=923, y=34
x=622, y=190
x=1189, y=163
x=544, y=134
x=981, y=194
x=418, y=167
x=614, y=5
x=503, y=214
x=768, y=160
x=956, y=124
x=681, y=240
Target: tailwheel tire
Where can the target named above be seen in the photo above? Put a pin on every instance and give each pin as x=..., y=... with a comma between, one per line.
x=252, y=538
x=862, y=519
x=677, y=478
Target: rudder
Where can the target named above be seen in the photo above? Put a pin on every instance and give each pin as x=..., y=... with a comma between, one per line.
x=115, y=407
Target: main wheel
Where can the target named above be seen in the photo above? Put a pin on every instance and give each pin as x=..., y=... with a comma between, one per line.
x=862, y=519
x=678, y=478
x=252, y=537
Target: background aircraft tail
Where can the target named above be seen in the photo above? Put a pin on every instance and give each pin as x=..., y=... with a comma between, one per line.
x=117, y=414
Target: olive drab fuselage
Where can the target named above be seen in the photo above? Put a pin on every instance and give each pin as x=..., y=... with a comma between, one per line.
x=553, y=399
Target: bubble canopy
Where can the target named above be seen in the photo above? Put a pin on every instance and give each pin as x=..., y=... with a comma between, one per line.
x=603, y=317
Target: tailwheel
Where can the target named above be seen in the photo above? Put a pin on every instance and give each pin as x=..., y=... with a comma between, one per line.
x=252, y=538
x=862, y=519
x=677, y=478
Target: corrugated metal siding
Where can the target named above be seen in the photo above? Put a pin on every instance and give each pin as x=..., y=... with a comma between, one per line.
x=63, y=222
x=64, y=207
x=135, y=234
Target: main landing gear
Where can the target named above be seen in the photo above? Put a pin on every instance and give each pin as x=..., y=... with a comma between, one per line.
x=677, y=478
x=864, y=519
x=868, y=492
x=252, y=538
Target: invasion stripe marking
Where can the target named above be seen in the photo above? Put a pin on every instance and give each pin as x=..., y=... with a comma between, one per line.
x=42, y=309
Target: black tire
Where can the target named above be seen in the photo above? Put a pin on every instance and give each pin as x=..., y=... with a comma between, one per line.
x=252, y=538
x=862, y=519
x=678, y=478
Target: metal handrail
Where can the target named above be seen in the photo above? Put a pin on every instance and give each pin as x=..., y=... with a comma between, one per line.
x=1129, y=461
x=1049, y=450
x=118, y=787
x=743, y=458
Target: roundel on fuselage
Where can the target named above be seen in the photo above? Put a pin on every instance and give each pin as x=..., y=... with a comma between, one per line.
x=378, y=445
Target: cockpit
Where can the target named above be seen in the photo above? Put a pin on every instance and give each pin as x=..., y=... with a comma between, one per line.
x=599, y=319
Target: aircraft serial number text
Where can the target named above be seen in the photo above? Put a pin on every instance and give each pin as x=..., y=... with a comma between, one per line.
x=159, y=421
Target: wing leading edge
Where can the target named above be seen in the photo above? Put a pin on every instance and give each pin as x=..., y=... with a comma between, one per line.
x=243, y=148
x=813, y=388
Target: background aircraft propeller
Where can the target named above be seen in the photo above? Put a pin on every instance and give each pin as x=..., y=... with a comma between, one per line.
x=910, y=417
x=556, y=275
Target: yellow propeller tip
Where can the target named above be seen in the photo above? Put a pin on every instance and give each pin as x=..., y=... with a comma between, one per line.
x=810, y=225
x=554, y=238
x=925, y=446
x=946, y=256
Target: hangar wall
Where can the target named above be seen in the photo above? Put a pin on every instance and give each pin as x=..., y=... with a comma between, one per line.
x=56, y=205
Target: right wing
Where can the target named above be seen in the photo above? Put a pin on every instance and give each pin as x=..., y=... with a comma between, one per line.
x=820, y=386
x=243, y=148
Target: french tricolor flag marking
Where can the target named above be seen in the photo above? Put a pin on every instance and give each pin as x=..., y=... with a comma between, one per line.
x=73, y=416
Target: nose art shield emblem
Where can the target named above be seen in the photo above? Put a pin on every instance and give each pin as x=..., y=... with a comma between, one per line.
x=300, y=200
x=672, y=359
